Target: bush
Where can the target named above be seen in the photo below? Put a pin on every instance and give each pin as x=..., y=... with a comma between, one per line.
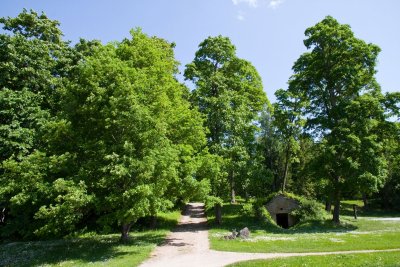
x=261, y=212
x=265, y=216
x=308, y=210
x=211, y=201
x=248, y=209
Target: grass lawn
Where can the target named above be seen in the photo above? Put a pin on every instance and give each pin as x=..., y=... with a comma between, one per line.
x=361, y=234
x=354, y=260
x=96, y=250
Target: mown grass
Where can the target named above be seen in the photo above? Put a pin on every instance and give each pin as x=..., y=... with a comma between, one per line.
x=354, y=260
x=351, y=234
x=93, y=250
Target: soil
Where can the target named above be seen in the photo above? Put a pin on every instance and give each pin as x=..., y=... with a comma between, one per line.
x=188, y=245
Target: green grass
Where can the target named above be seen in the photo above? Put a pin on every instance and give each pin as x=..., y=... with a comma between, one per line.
x=361, y=234
x=354, y=260
x=95, y=250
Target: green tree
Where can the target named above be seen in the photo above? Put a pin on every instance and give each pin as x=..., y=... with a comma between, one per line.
x=34, y=61
x=289, y=123
x=268, y=155
x=229, y=94
x=33, y=55
x=331, y=81
x=391, y=132
x=134, y=135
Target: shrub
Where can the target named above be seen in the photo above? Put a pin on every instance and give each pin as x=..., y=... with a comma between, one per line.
x=248, y=209
x=266, y=217
x=211, y=201
x=308, y=210
x=261, y=212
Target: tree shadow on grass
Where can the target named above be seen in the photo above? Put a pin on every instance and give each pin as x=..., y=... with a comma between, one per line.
x=83, y=250
x=97, y=249
x=373, y=211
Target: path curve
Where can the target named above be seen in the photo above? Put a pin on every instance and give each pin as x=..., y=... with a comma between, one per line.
x=188, y=245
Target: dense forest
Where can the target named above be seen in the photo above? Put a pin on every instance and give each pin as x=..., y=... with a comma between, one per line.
x=98, y=136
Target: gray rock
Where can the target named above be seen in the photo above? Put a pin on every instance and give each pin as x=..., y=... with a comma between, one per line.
x=232, y=236
x=244, y=233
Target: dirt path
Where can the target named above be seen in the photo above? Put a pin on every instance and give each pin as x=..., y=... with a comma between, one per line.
x=188, y=245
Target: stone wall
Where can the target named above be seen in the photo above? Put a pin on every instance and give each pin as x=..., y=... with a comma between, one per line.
x=281, y=204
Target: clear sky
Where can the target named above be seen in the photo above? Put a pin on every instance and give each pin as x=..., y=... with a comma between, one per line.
x=268, y=33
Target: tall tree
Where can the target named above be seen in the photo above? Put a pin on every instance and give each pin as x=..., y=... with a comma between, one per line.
x=289, y=123
x=135, y=136
x=391, y=131
x=331, y=80
x=229, y=94
x=34, y=60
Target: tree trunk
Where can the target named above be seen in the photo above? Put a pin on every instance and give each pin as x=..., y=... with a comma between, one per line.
x=328, y=205
x=277, y=184
x=153, y=221
x=125, y=228
x=3, y=215
x=285, y=173
x=232, y=184
x=385, y=199
x=336, y=209
x=218, y=214
x=365, y=200
x=355, y=211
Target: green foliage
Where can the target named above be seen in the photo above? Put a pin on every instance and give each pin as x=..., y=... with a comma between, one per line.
x=98, y=136
x=200, y=191
x=24, y=189
x=267, y=171
x=22, y=118
x=334, y=82
x=92, y=132
x=34, y=57
x=212, y=201
x=34, y=61
x=289, y=123
x=309, y=210
x=127, y=108
x=229, y=94
x=261, y=212
x=69, y=208
x=248, y=209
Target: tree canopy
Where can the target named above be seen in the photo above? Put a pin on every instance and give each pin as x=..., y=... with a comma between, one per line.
x=99, y=137
x=230, y=95
x=336, y=82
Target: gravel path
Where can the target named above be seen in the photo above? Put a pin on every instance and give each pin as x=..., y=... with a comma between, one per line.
x=188, y=245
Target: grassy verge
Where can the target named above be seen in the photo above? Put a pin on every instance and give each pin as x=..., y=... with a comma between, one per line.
x=354, y=260
x=96, y=250
x=360, y=234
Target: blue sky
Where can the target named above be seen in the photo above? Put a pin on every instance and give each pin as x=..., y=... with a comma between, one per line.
x=268, y=33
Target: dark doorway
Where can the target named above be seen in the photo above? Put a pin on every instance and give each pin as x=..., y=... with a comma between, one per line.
x=282, y=219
